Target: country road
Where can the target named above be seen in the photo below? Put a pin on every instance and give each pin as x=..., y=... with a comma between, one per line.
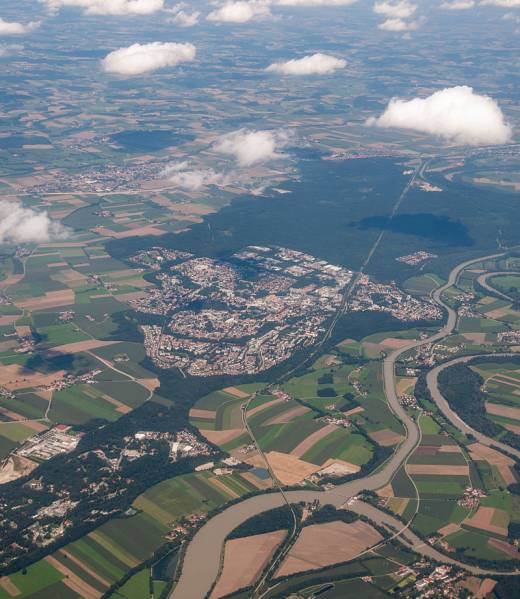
x=202, y=559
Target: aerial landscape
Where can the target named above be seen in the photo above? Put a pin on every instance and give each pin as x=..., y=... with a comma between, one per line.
x=259, y=299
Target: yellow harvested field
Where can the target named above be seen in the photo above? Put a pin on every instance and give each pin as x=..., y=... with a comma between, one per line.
x=288, y=415
x=23, y=330
x=14, y=377
x=321, y=545
x=484, y=519
x=236, y=392
x=289, y=469
x=437, y=469
x=385, y=437
x=312, y=439
x=79, y=346
x=394, y=343
x=505, y=411
x=244, y=561
x=51, y=299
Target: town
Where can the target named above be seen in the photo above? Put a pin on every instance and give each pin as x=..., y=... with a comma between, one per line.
x=239, y=316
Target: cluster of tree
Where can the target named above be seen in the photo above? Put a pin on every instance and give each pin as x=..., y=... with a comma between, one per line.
x=461, y=386
x=280, y=518
x=328, y=513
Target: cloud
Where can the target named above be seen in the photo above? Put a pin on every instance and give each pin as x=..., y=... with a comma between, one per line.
x=397, y=10
x=25, y=225
x=108, y=7
x=14, y=28
x=183, y=18
x=502, y=3
x=456, y=114
x=194, y=179
x=144, y=58
x=240, y=12
x=252, y=147
x=458, y=5
x=399, y=25
x=314, y=64
x=314, y=2
x=8, y=49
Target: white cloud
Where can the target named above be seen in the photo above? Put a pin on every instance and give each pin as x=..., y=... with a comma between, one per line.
x=314, y=64
x=240, y=12
x=24, y=225
x=183, y=18
x=144, y=58
x=398, y=10
x=8, y=49
x=458, y=5
x=252, y=147
x=399, y=25
x=179, y=175
x=502, y=3
x=314, y=2
x=14, y=28
x=108, y=7
x=456, y=114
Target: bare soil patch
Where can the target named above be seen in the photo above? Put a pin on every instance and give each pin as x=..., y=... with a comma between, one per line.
x=236, y=392
x=14, y=377
x=222, y=437
x=312, y=439
x=79, y=346
x=386, y=437
x=150, y=384
x=448, y=529
x=244, y=561
x=356, y=410
x=138, y=232
x=494, y=457
x=73, y=581
x=51, y=299
x=504, y=547
x=321, y=545
x=16, y=467
x=195, y=413
x=478, y=338
x=9, y=587
x=505, y=411
x=8, y=319
x=263, y=406
x=483, y=519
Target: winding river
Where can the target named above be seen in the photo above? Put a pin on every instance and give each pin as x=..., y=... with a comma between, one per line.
x=202, y=559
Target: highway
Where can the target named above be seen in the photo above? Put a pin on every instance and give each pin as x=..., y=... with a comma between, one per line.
x=202, y=559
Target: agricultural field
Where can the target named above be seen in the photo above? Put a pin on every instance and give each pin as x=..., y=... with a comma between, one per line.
x=91, y=565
